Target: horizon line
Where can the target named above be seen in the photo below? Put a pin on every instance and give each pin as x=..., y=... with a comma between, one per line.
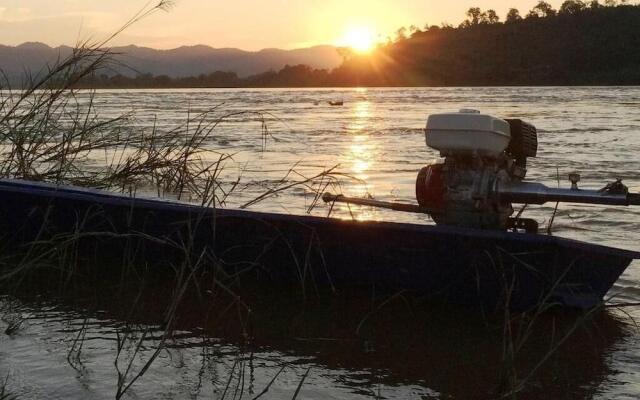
x=176, y=48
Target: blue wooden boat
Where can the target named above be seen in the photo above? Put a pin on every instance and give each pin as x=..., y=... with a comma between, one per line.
x=459, y=265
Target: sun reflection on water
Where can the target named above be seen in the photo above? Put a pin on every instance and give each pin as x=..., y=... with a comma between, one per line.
x=361, y=155
x=362, y=150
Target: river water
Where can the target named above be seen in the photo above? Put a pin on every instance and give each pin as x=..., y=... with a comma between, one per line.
x=377, y=139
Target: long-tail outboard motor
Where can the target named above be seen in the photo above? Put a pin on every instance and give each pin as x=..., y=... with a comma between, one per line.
x=483, y=173
x=485, y=163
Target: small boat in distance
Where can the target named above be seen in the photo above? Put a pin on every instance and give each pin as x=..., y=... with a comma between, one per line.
x=336, y=103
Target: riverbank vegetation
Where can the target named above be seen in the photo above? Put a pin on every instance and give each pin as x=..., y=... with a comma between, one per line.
x=578, y=44
x=52, y=132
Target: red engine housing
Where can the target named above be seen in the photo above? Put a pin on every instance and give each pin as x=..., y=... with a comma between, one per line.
x=430, y=189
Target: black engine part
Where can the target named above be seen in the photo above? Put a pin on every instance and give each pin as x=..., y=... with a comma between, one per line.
x=524, y=141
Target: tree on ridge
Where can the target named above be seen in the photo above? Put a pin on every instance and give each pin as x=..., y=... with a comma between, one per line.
x=542, y=10
x=572, y=7
x=513, y=15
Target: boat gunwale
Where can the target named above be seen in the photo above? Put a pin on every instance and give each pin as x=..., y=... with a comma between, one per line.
x=97, y=195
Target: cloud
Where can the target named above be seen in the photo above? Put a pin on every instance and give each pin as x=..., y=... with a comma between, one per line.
x=15, y=14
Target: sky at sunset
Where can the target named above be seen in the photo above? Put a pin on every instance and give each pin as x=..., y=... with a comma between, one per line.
x=246, y=24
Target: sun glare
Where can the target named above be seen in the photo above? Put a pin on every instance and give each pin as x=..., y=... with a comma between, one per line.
x=360, y=38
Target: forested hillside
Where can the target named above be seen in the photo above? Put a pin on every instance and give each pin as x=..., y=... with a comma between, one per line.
x=575, y=45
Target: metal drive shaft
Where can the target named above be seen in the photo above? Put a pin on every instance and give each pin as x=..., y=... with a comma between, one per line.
x=537, y=193
x=414, y=208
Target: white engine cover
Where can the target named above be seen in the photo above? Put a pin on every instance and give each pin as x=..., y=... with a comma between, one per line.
x=468, y=132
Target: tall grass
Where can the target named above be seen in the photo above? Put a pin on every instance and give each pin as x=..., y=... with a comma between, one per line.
x=52, y=132
x=4, y=393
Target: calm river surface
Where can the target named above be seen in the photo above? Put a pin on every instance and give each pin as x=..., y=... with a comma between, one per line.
x=376, y=137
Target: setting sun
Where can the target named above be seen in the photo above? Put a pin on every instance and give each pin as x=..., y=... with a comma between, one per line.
x=360, y=38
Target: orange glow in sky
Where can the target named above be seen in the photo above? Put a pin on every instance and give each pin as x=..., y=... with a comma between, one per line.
x=360, y=38
x=245, y=24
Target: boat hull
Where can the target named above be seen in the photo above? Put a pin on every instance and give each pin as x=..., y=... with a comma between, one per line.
x=459, y=265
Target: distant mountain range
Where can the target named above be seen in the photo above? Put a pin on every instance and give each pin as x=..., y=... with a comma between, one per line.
x=180, y=62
